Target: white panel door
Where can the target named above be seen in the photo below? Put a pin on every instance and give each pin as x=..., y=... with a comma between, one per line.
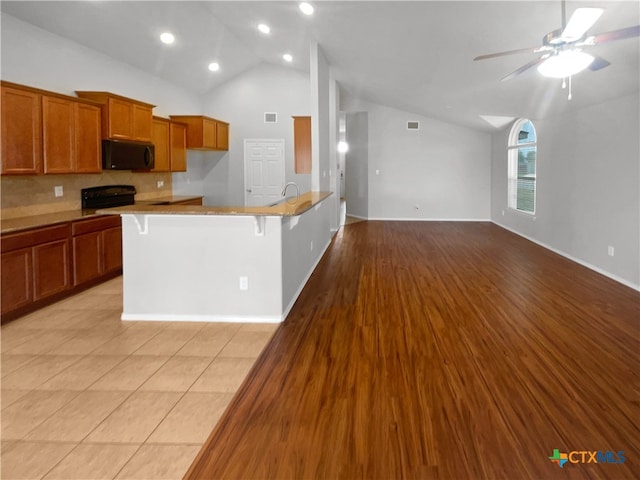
x=264, y=171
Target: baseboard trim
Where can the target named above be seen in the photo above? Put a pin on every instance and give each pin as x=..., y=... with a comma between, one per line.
x=590, y=266
x=387, y=219
x=150, y=317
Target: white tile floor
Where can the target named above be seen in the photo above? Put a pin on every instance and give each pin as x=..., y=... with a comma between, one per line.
x=87, y=396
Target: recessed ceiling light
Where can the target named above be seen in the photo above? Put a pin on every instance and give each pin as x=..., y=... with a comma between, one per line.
x=167, y=38
x=306, y=8
x=287, y=57
x=214, y=67
x=264, y=28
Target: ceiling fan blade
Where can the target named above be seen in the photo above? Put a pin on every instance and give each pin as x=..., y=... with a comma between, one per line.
x=524, y=68
x=621, y=34
x=508, y=52
x=581, y=21
x=598, y=64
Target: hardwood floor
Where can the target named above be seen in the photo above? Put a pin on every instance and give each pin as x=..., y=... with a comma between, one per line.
x=439, y=350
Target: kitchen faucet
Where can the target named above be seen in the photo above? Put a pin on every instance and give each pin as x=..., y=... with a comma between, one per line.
x=284, y=190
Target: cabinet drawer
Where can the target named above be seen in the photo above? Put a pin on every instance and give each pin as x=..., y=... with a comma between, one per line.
x=82, y=227
x=30, y=238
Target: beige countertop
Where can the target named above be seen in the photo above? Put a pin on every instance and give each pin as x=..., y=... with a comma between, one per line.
x=36, y=221
x=286, y=208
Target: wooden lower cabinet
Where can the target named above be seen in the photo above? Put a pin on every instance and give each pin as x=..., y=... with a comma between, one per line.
x=42, y=265
x=17, y=279
x=50, y=269
x=97, y=248
x=112, y=242
x=87, y=257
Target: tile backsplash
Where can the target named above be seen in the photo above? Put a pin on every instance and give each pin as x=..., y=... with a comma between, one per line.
x=26, y=195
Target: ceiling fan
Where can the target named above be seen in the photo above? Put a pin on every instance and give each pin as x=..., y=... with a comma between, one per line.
x=562, y=55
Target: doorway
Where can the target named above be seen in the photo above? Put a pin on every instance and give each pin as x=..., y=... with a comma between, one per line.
x=264, y=171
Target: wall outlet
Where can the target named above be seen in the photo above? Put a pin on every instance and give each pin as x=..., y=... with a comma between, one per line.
x=244, y=283
x=311, y=246
x=160, y=183
x=377, y=172
x=503, y=213
x=610, y=251
x=58, y=191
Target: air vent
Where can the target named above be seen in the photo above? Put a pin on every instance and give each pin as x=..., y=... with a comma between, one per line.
x=413, y=125
x=270, y=117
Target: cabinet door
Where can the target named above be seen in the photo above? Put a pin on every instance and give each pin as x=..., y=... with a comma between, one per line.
x=112, y=243
x=21, y=151
x=87, y=255
x=58, y=135
x=120, y=121
x=88, y=138
x=17, y=279
x=208, y=133
x=302, y=144
x=222, y=136
x=178, y=147
x=142, y=120
x=160, y=139
x=50, y=268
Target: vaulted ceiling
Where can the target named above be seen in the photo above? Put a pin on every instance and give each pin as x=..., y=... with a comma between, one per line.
x=416, y=55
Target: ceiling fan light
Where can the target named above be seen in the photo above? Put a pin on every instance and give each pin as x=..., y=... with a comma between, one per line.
x=565, y=64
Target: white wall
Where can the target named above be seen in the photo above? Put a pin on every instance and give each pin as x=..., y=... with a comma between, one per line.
x=188, y=267
x=242, y=102
x=304, y=240
x=356, y=164
x=444, y=169
x=324, y=125
x=31, y=56
x=588, y=192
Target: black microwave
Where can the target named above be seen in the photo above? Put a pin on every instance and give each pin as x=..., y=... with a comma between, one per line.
x=122, y=155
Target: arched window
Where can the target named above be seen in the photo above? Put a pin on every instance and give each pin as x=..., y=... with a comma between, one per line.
x=522, y=167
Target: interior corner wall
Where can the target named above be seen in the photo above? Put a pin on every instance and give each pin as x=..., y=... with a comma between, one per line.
x=588, y=187
x=320, y=119
x=356, y=164
x=242, y=102
x=439, y=172
x=34, y=57
x=334, y=166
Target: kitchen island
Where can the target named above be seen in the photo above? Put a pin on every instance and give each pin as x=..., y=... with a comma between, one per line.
x=231, y=264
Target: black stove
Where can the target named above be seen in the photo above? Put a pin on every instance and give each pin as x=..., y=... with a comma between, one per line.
x=107, y=196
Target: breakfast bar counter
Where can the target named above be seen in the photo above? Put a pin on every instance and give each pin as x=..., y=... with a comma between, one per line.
x=221, y=264
x=285, y=208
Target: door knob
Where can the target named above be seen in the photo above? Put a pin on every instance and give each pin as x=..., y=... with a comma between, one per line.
x=248, y=190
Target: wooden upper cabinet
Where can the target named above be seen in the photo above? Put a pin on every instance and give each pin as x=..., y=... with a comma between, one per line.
x=222, y=135
x=71, y=136
x=160, y=139
x=142, y=118
x=58, y=135
x=21, y=142
x=170, y=141
x=119, y=119
x=88, y=139
x=204, y=133
x=178, y=143
x=302, y=144
x=123, y=118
